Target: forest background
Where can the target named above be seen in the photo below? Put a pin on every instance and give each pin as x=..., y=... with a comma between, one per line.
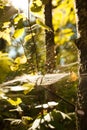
x=38, y=66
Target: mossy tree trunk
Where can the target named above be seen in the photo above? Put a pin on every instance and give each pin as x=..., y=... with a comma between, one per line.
x=49, y=38
x=81, y=43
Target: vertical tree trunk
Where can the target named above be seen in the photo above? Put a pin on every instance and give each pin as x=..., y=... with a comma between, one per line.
x=49, y=39
x=81, y=43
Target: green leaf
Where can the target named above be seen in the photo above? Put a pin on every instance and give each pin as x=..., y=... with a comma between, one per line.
x=26, y=120
x=5, y=63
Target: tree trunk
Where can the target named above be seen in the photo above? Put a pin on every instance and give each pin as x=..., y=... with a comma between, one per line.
x=49, y=39
x=81, y=43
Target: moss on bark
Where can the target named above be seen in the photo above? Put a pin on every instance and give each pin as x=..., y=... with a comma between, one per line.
x=81, y=43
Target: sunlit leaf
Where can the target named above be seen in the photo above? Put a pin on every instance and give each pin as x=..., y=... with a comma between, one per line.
x=72, y=17
x=17, y=62
x=18, y=33
x=67, y=30
x=6, y=24
x=28, y=37
x=18, y=17
x=14, y=67
x=38, y=21
x=13, y=102
x=28, y=87
x=6, y=35
x=36, y=6
x=21, y=60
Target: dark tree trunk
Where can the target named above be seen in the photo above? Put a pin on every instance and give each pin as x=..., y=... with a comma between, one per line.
x=49, y=39
x=81, y=43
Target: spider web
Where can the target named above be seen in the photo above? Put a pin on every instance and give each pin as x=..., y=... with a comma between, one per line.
x=47, y=79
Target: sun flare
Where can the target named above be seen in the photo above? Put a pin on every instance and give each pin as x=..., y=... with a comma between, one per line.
x=21, y=4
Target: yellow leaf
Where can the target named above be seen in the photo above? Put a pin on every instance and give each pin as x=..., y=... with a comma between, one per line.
x=67, y=30
x=28, y=37
x=6, y=24
x=38, y=21
x=28, y=87
x=14, y=103
x=6, y=35
x=18, y=33
x=7, y=38
x=14, y=67
x=21, y=60
x=18, y=17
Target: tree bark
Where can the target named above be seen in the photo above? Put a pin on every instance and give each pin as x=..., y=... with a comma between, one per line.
x=49, y=38
x=81, y=43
